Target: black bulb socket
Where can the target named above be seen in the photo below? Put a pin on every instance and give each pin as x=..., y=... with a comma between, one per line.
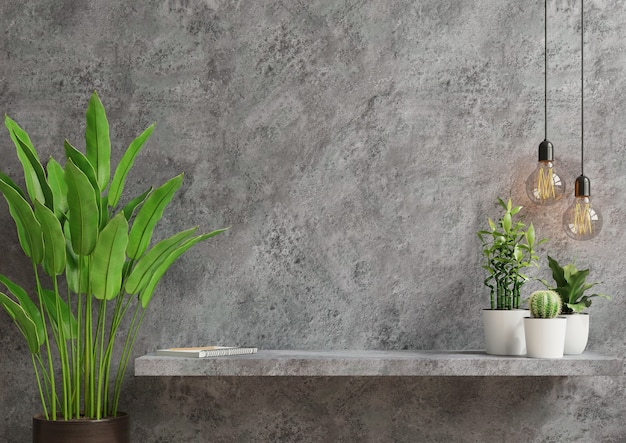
x=546, y=151
x=582, y=187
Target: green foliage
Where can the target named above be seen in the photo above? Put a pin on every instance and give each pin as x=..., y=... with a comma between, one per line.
x=96, y=253
x=545, y=304
x=571, y=286
x=508, y=248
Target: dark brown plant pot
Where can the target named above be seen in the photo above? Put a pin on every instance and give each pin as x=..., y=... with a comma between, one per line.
x=107, y=430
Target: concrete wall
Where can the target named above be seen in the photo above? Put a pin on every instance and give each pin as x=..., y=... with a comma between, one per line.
x=354, y=147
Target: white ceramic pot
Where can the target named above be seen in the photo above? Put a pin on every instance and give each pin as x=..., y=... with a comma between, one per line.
x=504, y=331
x=576, y=333
x=545, y=337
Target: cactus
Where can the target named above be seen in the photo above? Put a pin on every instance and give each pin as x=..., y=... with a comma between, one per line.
x=545, y=304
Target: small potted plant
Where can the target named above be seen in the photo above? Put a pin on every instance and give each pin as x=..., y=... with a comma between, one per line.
x=508, y=249
x=545, y=331
x=570, y=283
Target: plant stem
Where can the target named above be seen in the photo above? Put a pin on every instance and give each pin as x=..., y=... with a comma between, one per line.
x=118, y=314
x=62, y=347
x=41, y=394
x=89, y=366
x=101, y=359
x=53, y=396
x=128, y=346
x=77, y=351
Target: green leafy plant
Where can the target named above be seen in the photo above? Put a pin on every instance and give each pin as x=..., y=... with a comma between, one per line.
x=508, y=248
x=545, y=304
x=571, y=286
x=100, y=267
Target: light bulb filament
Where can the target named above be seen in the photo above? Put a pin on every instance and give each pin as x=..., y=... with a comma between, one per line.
x=545, y=184
x=582, y=218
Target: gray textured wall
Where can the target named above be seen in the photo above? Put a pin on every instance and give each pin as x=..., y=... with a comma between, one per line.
x=354, y=147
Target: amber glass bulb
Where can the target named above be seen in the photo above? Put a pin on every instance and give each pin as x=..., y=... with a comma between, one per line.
x=582, y=220
x=544, y=186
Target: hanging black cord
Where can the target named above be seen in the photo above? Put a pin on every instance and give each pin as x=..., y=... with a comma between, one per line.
x=582, y=88
x=545, y=64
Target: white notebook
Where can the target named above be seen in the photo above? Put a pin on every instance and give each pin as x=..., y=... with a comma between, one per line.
x=205, y=351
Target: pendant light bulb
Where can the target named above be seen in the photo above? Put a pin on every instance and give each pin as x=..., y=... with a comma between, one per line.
x=544, y=186
x=582, y=220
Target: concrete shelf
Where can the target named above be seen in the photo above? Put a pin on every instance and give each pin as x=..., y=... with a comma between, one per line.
x=354, y=363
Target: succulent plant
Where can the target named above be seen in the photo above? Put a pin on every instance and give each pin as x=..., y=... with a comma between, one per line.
x=545, y=304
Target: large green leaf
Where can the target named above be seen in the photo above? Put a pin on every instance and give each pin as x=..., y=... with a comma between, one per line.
x=575, y=285
x=16, y=131
x=130, y=207
x=56, y=180
x=144, y=268
x=11, y=183
x=125, y=164
x=83, y=210
x=28, y=228
x=109, y=256
x=79, y=159
x=53, y=240
x=34, y=175
x=97, y=140
x=86, y=167
x=148, y=291
x=73, y=266
x=585, y=302
x=558, y=273
x=41, y=180
x=148, y=216
x=24, y=323
x=104, y=211
x=579, y=307
x=56, y=305
x=29, y=307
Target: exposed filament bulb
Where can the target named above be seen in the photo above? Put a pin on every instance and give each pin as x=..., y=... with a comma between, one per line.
x=582, y=220
x=544, y=186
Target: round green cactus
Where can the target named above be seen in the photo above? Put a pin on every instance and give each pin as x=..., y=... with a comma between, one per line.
x=545, y=304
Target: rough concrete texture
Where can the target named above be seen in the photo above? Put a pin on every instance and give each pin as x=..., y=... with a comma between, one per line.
x=375, y=363
x=354, y=147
